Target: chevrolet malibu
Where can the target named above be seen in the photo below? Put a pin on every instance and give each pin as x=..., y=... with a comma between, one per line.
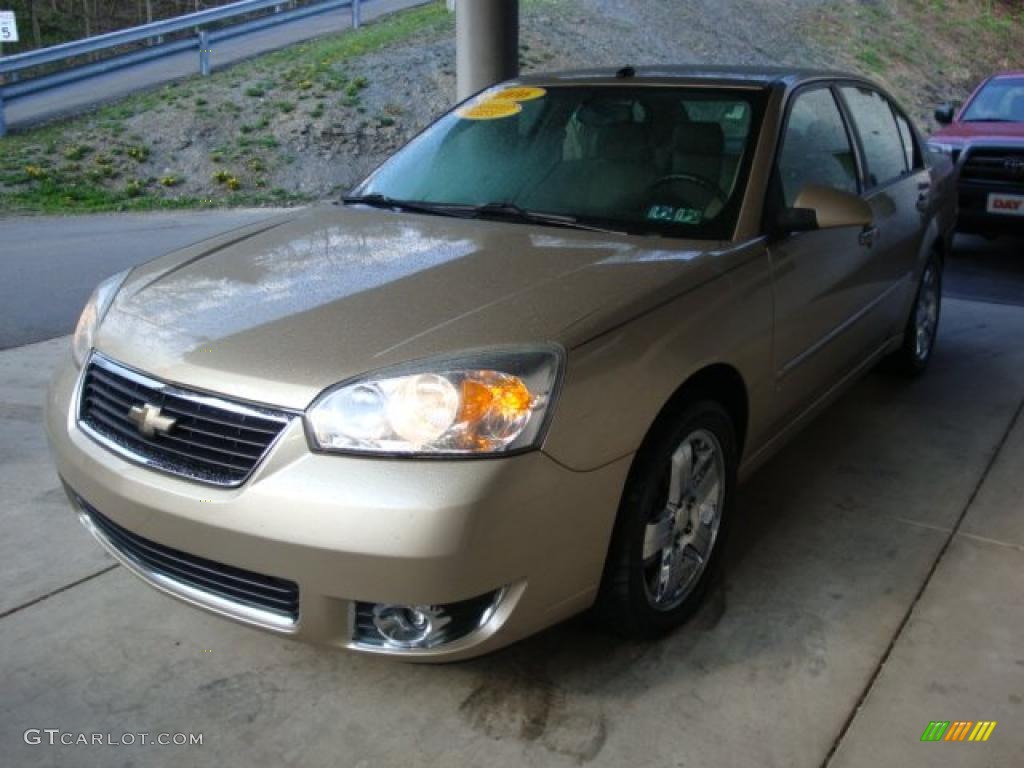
x=518, y=372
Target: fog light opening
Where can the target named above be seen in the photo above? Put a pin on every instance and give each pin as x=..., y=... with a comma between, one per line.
x=410, y=626
x=420, y=627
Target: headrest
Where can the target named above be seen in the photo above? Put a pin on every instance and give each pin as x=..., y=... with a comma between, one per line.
x=820, y=134
x=622, y=141
x=597, y=114
x=699, y=139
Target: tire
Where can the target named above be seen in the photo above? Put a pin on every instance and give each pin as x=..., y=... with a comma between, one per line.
x=637, y=599
x=922, y=327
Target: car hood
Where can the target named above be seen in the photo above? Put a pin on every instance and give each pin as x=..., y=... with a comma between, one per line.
x=966, y=132
x=278, y=311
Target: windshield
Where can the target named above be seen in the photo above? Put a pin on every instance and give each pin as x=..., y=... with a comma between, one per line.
x=1001, y=101
x=657, y=159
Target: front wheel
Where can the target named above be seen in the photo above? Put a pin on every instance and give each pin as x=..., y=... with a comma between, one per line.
x=668, y=539
x=923, y=325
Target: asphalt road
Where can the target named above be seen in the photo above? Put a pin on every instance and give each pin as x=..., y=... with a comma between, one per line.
x=984, y=270
x=49, y=265
x=80, y=96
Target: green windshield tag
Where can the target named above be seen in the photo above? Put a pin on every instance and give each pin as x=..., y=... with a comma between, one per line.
x=675, y=215
x=661, y=213
x=688, y=216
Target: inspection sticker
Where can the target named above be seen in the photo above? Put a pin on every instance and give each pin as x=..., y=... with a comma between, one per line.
x=687, y=216
x=661, y=212
x=673, y=214
x=489, y=110
x=519, y=94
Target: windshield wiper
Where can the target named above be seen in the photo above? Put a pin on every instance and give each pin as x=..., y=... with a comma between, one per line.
x=512, y=212
x=503, y=211
x=990, y=120
x=412, y=206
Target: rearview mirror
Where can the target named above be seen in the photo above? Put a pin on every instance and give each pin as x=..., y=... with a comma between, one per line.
x=945, y=113
x=821, y=207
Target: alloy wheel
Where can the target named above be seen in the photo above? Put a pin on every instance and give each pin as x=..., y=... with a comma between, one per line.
x=926, y=318
x=681, y=536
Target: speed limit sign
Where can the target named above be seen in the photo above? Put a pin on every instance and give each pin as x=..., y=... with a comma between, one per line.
x=8, y=27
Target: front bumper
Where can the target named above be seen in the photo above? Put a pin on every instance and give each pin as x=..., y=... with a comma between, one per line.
x=348, y=529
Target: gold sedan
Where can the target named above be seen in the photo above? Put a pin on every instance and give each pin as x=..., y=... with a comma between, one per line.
x=519, y=371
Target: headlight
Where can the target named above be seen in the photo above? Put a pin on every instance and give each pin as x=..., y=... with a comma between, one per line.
x=92, y=315
x=938, y=146
x=487, y=403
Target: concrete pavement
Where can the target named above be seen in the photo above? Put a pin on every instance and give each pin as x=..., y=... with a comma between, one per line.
x=84, y=94
x=875, y=585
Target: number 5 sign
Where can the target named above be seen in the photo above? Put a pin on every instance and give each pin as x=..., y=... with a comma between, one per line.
x=8, y=27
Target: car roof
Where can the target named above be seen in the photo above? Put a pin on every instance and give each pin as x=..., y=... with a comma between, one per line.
x=764, y=77
x=1008, y=74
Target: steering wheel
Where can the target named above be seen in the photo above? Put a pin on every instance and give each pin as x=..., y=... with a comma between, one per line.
x=716, y=194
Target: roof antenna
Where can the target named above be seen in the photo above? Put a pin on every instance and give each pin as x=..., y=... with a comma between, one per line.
x=625, y=72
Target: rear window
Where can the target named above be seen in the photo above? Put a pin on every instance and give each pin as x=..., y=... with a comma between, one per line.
x=914, y=159
x=884, y=148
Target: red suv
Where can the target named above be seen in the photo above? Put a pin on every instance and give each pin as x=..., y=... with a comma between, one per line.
x=985, y=137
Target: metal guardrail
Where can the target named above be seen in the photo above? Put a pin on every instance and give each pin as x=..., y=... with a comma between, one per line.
x=13, y=66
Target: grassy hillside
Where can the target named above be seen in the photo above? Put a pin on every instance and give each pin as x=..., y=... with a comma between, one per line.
x=229, y=139
x=925, y=51
x=307, y=122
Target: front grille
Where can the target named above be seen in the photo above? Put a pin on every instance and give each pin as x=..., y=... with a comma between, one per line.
x=238, y=586
x=992, y=164
x=212, y=440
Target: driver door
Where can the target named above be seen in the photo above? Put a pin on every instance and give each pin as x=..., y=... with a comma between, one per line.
x=822, y=278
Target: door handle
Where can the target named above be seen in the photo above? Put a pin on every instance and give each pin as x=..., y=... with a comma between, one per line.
x=868, y=236
x=924, y=197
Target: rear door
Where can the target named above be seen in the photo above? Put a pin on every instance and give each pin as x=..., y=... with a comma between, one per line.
x=897, y=186
x=824, y=280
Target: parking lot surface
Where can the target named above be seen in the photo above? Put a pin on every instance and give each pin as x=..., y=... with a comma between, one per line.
x=36, y=304
x=876, y=584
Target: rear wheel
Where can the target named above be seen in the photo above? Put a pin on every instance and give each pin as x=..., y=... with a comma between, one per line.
x=668, y=539
x=923, y=325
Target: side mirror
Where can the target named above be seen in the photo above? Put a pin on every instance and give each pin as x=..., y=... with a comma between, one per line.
x=821, y=207
x=945, y=113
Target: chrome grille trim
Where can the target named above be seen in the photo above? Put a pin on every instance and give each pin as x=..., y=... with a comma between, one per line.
x=273, y=603
x=216, y=441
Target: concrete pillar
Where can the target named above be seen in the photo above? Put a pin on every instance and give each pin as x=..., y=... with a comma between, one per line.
x=487, y=40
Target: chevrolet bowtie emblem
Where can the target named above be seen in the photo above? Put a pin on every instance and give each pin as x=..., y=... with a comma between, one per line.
x=150, y=420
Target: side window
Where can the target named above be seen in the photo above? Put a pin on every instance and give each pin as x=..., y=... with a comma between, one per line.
x=884, y=149
x=816, y=148
x=914, y=159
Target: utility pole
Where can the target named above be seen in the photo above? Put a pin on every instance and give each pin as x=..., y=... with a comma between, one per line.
x=487, y=43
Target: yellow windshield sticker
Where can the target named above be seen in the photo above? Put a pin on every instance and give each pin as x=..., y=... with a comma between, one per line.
x=518, y=94
x=489, y=110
